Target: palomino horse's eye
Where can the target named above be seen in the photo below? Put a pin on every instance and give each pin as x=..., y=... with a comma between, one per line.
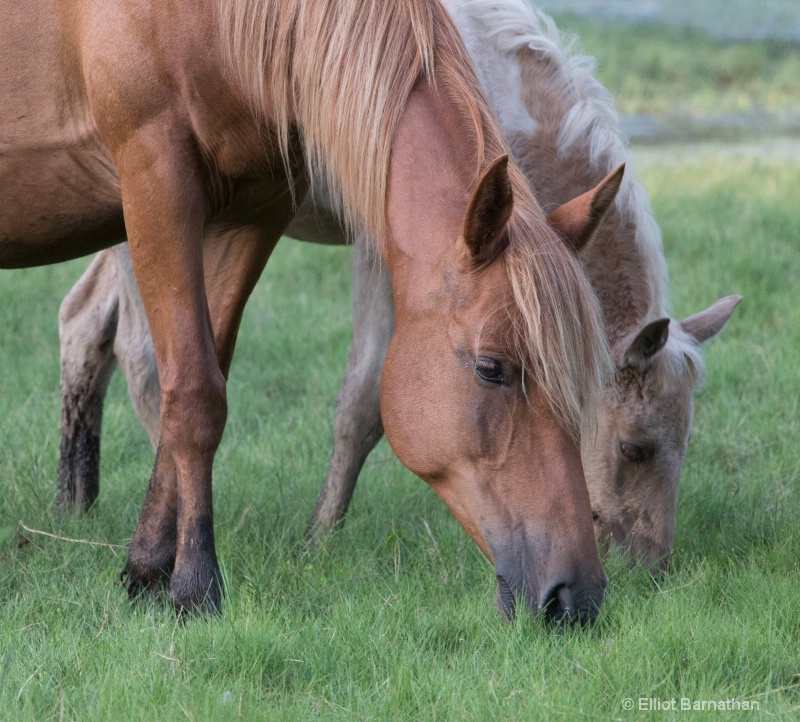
x=636, y=453
x=489, y=370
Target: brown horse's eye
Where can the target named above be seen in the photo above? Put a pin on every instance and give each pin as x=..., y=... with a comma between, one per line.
x=635, y=453
x=489, y=370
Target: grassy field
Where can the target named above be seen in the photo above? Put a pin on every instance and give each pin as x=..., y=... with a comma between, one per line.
x=394, y=617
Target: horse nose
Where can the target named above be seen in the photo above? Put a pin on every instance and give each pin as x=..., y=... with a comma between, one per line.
x=563, y=602
x=574, y=603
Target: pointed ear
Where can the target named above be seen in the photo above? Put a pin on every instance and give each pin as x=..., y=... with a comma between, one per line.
x=707, y=324
x=578, y=219
x=648, y=342
x=488, y=212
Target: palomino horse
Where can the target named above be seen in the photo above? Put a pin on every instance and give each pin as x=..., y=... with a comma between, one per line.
x=194, y=127
x=565, y=135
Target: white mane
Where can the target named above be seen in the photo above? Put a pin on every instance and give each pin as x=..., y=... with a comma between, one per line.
x=495, y=32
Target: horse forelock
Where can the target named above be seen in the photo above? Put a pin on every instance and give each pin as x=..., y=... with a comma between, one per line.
x=558, y=333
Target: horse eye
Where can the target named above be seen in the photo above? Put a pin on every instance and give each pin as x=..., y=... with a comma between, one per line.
x=635, y=453
x=489, y=370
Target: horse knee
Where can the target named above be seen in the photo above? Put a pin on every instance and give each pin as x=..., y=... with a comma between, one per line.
x=193, y=413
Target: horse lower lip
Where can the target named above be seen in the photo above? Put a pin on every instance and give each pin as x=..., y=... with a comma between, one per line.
x=505, y=598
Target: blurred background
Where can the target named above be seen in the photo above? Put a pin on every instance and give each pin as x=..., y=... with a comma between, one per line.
x=731, y=19
x=681, y=70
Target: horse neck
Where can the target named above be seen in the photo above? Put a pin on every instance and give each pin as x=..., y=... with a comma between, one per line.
x=431, y=171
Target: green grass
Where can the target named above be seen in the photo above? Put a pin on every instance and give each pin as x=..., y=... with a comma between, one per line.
x=394, y=617
x=665, y=71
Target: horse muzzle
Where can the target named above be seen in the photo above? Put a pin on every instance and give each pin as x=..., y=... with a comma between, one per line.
x=561, y=599
x=559, y=605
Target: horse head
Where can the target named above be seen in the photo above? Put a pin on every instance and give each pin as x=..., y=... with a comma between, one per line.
x=633, y=465
x=465, y=409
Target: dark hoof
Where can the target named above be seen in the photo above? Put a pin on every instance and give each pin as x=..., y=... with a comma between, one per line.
x=143, y=583
x=325, y=520
x=75, y=495
x=70, y=503
x=196, y=592
x=78, y=467
x=318, y=530
x=65, y=499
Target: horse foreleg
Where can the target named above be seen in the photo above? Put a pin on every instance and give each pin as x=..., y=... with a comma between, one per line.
x=87, y=324
x=357, y=427
x=151, y=557
x=165, y=216
x=233, y=264
x=101, y=321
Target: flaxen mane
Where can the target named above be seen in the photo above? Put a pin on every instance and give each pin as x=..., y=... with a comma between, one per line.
x=587, y=127
x=341, y=71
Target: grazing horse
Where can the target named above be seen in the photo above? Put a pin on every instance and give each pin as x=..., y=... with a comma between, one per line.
x=565, y=134
x=195, y=128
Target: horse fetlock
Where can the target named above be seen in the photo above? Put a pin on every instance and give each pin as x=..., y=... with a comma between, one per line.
x=196, y=584
x=145, y=579
x=151, y=558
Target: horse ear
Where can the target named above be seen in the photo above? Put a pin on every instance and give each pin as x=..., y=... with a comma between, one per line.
x=707, y=324
x=578, y=219
x=488, y=212
x=648, y=342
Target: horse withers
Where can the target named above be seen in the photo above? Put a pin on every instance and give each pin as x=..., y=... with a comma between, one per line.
x=194, y=129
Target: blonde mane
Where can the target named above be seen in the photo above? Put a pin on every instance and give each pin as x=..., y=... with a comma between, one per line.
x=339, y=72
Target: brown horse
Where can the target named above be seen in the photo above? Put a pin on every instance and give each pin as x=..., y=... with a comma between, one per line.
x=194, y=128
x=565, y=135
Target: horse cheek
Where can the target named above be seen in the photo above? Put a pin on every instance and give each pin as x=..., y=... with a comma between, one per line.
x=416, y=407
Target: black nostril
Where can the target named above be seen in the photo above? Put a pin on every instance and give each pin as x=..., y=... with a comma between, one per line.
x=556, y=606
x=505, y=598
x=561, y=605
